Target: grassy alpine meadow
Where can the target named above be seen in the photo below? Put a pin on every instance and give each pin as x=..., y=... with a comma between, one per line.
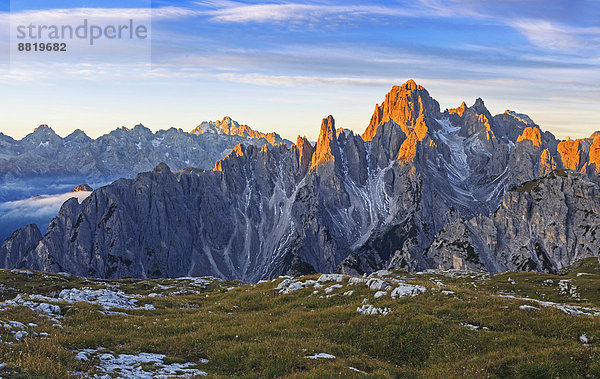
x=393, y=324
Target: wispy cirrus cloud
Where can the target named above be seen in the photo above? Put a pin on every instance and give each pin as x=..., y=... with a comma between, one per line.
x=535, y=20
x=169, y=12
x=557, y=36
x=235, y=12
x=295, y=80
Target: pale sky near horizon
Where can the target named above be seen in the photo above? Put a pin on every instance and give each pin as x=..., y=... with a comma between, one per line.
x=284, y=65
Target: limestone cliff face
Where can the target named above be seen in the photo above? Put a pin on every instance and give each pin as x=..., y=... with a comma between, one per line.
x=421, y=189
x=546, y=224
x=542, y=225
x=594, y=155
x=457, y=247
x=547, y=163
x=532, y=134
x=408, y=149
x=570, y=154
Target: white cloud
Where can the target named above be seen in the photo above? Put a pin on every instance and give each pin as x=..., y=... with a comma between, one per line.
x=445, y=8
x=99, y=13
x=557, y=36
x=285, y=80
x=35, y=208
x=539, y=31
x=234, y=12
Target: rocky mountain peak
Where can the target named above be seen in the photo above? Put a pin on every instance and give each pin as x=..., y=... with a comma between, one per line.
x=42, y=136
x=327, y=147
x=141, y=130
x=409, y=106
x=42, y=128
x=410, y=85
x=78, y=136
x=474, y=120
x=77, y=133
x=479, y=106
x=82, y=187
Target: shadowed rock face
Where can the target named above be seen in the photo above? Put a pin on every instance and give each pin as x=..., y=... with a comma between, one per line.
x=541, y=225
x=18, y=245
x=422, y=188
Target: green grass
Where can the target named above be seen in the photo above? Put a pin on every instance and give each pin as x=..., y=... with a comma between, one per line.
x=253, y=331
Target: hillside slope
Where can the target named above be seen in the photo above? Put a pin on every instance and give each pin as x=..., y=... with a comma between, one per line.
x=440, y=323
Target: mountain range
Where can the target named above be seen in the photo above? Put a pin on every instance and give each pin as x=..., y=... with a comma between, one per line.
x=420, y=188
x=43, y=156
x=37, y=171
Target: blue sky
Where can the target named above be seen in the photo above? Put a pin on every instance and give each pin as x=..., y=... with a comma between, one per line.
x=284, y=65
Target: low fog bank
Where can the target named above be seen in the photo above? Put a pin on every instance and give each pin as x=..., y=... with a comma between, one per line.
x=21, y=189
x=37, y=210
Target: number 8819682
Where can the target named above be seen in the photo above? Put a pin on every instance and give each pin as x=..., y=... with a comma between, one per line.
x=27, y=46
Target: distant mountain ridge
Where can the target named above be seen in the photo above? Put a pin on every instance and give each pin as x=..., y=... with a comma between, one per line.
x=230, y=127
x=123, y=152
x=420, y=189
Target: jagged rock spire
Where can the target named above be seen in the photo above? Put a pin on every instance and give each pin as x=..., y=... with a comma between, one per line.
x=327, y=148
